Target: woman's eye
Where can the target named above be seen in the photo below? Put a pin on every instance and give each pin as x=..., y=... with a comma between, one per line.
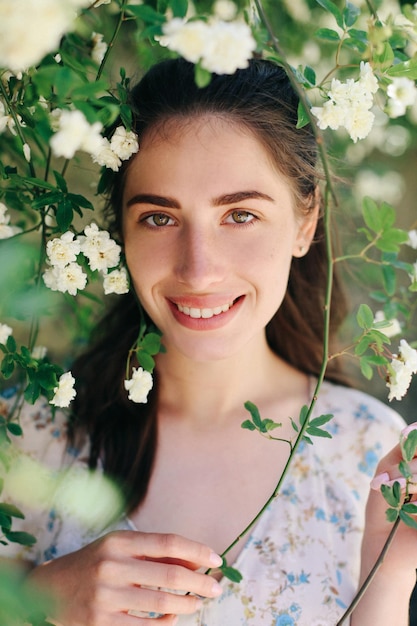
x=158, y=219
x=241, y=217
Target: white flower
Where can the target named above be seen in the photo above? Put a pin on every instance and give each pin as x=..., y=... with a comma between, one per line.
x=400, y=371
x=189, y=39
x=26, y=152
x=124, y=143
x=413, y=276
x=39, y=352
x=99, y=47
x=63, y=250
x=229, y=47
x=225, y=10
x=64, y=392
x=116, y=282
x=393, y=327
x=98, y=3
x=359, y=122
x=30, y=29
x=68, y=279
x=412, y=239
x=398, y=380
x=367, y=78
x=101, y=251
x=75, y=133
x=6, y=230
x=349, y=105
x=139, y=385
x=6, y=121
x=408, y=355
x=105, y=156
x=401, y=93
x=5, y=332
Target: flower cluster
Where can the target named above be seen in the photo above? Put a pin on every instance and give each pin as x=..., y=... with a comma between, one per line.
x=29, y=30
x=6, y=230
x=139, y=385
x=401, y=370
x=349, y=104
x=219, y=46
x=65, y=274
x=75, y=133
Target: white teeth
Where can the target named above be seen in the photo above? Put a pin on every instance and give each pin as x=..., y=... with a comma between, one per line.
x=204, y=313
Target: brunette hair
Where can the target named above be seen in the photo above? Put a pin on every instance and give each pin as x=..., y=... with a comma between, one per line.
x=123, y=434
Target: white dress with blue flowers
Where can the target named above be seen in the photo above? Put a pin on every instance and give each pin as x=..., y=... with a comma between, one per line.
x=300, y=563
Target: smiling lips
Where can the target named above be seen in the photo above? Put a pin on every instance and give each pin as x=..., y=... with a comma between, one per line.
x=205, y=313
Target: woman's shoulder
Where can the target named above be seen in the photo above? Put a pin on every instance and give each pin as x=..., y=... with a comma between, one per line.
x=362, y=425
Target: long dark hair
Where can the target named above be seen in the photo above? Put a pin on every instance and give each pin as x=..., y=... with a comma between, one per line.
x=123, y=434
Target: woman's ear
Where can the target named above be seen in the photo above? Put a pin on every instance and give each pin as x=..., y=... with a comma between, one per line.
x=307, y=228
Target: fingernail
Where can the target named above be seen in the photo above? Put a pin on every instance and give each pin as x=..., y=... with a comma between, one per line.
x=216, y=589
x=378, y=480
x=407, y=430
x=216, y=560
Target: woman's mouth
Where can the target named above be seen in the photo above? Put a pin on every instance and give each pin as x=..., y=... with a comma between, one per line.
x=204, y=313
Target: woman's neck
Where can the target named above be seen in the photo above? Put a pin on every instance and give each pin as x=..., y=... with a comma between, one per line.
x=211, y=391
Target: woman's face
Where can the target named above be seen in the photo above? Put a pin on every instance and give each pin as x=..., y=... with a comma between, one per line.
x=209, y=228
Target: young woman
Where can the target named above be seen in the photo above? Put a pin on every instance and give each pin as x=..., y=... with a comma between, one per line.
x=219, y=217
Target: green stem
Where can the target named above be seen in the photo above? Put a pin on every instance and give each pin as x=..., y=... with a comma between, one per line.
x=329, y=283
x=112, y=40
x=18, y=127
x=359, y=595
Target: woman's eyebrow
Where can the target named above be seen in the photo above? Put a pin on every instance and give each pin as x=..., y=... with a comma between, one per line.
x=147, y=198
x=240, y=196
x=224, y=199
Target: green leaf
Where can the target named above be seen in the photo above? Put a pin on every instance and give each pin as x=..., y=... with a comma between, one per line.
x=7, y=366
x=390, y=279
x=409, y=446
x=321, y=420
x=80, y=201
x=410, y=507
x=61, y=182
x=408, y=520
x=303, y=118
x=25, y=539
x=327, y=34
x=405, y=469
x=46, y=376
x=64, y=214
x=350, y=14
x=11, y=343
x=146, y=13
x=408, y=69
x=371, y=214
x=294, y=425
x=248, y=425
x=202, y=76
x=365, y=317
x=366, y=368
x=5, y=522
x=318, y=432
x=46, y=199
x=151, y=343
x=385, y=58
x=389, y=495
x=145, y=360
x=231, y=573
x=270, y=424
x=310, y=75
x=179, y=7
x=333, y=9
x=11, y=510
x=391, y=515
x=303, y=414
x=253, y=410
x=14, y=429
x=391, y=240
x=32, y=392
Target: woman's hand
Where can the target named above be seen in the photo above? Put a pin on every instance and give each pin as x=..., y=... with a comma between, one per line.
x=386, y=602
x=122, y=572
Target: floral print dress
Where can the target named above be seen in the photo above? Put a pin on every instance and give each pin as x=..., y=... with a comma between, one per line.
x=300, y=564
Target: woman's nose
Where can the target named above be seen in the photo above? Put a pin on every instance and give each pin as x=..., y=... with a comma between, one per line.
x=200, y=261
